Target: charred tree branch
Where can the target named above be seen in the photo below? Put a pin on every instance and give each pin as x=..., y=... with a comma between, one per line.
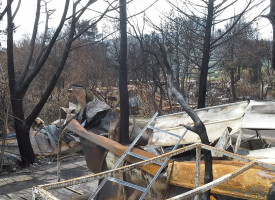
x=198, y=127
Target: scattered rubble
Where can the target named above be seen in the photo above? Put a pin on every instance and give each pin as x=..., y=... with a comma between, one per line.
x=242, y=128
x=226, y=126
x=249, y=122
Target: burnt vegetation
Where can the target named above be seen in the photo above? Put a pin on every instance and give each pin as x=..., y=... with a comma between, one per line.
x=197, y=56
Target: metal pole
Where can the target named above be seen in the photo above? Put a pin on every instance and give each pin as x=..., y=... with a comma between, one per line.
x=198, y=171
x=162, y=167
x=238, y=142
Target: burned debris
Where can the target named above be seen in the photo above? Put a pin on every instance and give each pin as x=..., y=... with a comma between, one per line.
x=164, y=160
x=229, y=129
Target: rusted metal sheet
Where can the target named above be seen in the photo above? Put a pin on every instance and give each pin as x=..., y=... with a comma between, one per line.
x=216, y=119
x=136, y=176
x=94, y=155
x=112, y=190
x=112, y=146
x=184, y=177
x=252, y=184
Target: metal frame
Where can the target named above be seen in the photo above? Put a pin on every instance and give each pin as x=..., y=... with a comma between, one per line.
x=41, y=191
x=121, y=159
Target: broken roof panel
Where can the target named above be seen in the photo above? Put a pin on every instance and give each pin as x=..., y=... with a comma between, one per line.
x=260, y=115
x=216, y=119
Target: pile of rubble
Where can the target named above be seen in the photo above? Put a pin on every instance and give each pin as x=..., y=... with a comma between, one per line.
x=242, y=128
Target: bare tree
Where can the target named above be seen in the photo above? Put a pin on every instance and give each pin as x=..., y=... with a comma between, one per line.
x=146, y=71
x=161, y=55
x=198, y=128
x=123, y=73
x=271, y=17
x=182, y=36
x=211, y=11
x=231, y=50
x=20, y=83
x=245, y=53
x=6, y=8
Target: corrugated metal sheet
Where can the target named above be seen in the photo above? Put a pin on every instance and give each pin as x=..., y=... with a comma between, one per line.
x=260, y=115
x=216, y=120
x=252, y=184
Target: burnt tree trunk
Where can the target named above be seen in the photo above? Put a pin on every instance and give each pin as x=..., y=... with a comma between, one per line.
x=206, y=55
x=232, y=85
x=177, y=62
x=21, y=129
x=198, y=128
x=273, y=44
x=19, y=85
x=123, y=88
x=271, y=17
x=232, y=74
x=24, y=144
x=272, y=20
